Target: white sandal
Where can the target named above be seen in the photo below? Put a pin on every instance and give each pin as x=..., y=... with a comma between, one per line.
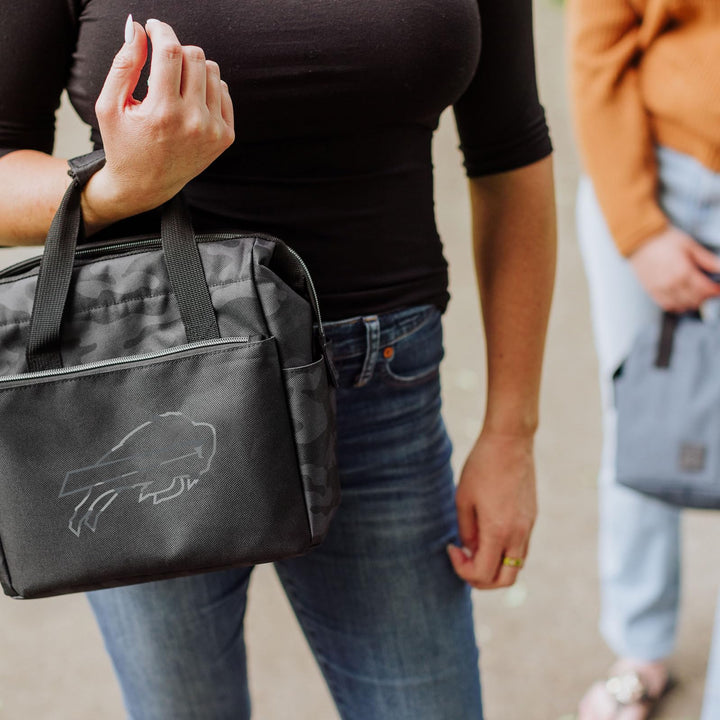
x=627, y=688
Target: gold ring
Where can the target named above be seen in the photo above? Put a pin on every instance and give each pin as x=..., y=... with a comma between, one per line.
x=513, y=562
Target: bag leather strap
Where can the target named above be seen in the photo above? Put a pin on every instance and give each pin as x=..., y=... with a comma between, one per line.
x=182, y=257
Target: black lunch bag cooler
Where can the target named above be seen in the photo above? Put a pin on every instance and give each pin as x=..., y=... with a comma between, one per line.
x=167, y=406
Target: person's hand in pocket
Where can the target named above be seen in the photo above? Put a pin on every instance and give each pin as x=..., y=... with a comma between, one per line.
x=673, y=269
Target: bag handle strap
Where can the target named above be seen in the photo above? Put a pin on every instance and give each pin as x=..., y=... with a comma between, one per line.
x=669, y=324
x=182, y=257
x=185, y=269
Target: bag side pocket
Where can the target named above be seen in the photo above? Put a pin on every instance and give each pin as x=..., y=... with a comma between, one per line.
x=311, y=400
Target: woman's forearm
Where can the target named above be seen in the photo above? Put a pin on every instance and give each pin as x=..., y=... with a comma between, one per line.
x=32, y=184
x=514, y=230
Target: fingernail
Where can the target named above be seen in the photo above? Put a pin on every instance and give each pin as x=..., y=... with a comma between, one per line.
x=129, y=30
x=151, y=20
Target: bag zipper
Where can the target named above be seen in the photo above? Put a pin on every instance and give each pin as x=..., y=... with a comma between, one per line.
x=123, y=360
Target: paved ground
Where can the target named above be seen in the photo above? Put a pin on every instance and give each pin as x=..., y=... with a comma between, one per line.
x=540, y=646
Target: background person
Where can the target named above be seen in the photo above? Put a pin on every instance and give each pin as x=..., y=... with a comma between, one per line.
x=646, y=100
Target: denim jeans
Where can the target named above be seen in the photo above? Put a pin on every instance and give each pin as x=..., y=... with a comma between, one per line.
x=385, y=616
x=639, y=544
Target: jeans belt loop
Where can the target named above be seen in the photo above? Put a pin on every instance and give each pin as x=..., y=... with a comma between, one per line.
x=372, y=333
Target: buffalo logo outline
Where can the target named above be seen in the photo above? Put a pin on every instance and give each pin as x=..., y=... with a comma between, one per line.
x=161, y=459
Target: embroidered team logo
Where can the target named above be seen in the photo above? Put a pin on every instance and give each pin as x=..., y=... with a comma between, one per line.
x=159, y=460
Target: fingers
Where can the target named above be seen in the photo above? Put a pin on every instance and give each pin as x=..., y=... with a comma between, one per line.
x=698, y=286
x=704, y=258
x=193, y=83
x=124, y=74
x=487, y=561
x=214, y=88
x=226, y=108
x=166, y=66
x=672, y=267
x=703, y=288
x=508, y=573
x=484, y=570
x=467, y=523
x=480, y=560
x=183, y=71
x=689, y=292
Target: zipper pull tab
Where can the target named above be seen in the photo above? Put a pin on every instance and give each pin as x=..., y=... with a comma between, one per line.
x=327, y=353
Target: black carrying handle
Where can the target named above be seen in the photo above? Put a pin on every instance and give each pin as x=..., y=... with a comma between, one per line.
x=670, y=322
x=182, y=258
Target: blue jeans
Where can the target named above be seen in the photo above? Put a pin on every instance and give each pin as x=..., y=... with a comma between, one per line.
x=387, y=619
x=639, y=545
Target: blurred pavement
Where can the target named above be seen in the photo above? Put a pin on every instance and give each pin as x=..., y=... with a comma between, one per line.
x=540, y=647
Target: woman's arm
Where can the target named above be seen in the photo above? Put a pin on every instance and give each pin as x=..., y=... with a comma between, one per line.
x=514, y=234
x=506, y=144
x=614, y=136
x=153, y=147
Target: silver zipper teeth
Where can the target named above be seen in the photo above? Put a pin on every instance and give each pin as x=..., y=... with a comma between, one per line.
x=122, y=360
x=316, y=303
x=117, y=246
x=146, y=242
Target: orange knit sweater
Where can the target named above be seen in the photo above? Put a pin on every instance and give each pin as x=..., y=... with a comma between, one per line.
x=642, y=72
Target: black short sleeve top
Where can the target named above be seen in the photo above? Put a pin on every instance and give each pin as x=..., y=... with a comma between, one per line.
x=335, y=107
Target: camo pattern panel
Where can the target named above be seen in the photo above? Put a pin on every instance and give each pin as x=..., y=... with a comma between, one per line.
x=311, y=399
x=122, y=306
x=288, y=317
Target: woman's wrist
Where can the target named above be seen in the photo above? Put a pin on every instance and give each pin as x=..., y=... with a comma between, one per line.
x=105, y=201
x=101, y=203
x=511, y=424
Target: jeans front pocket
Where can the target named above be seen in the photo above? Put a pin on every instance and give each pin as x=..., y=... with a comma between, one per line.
x=414, y=358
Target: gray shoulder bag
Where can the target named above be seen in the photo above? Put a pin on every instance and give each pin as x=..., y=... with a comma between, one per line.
x=667, y=395
x=166, y=406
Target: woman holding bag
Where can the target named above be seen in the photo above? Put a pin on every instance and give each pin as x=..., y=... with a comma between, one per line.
x=334, y=109
x=646, y=101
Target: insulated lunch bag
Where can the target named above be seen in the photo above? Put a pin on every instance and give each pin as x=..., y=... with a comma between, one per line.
x=166, y=406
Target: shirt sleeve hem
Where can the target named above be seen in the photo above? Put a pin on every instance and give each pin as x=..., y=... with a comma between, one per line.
x=506, y=164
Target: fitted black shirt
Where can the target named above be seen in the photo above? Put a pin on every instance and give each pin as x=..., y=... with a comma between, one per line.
x=335, y=105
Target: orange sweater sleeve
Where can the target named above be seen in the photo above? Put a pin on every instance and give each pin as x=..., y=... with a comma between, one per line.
x=611, y=122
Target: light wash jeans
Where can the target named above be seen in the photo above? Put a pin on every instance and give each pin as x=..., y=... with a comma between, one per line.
x=639, y=543
x=387, y=619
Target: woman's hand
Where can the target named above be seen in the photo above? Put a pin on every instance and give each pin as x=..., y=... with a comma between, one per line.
x=496, y=505
x=154, y=147
x=671, y=265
